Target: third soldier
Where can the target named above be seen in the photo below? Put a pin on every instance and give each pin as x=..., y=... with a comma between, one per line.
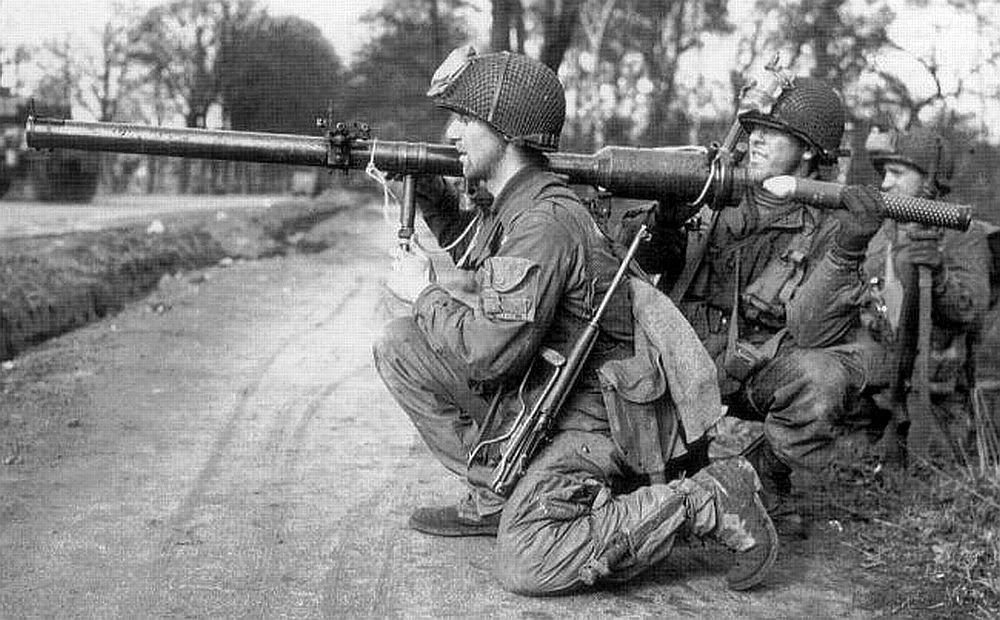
x=920, y=163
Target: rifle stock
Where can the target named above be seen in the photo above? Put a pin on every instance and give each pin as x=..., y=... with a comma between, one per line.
x=682, y=177
x=918, y=403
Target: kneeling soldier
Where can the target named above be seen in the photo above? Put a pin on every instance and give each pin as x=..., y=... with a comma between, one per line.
x=582, y=511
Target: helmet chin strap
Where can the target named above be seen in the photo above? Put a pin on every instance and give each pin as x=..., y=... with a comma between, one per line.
x=929, y=187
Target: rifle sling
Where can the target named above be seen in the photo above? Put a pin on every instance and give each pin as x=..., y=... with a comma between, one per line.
x=695, y=254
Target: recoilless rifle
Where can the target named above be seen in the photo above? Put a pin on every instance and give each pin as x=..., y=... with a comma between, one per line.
x=684, y=178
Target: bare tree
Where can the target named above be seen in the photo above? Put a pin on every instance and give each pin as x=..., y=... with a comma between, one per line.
x=587, y=78
x=17, y=58
x=662, y=35
x=508, y=26
x=177, y=43
x=62, y=71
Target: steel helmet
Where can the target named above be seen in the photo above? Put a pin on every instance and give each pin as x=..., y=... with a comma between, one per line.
x=519, y=97
x=922, y=148
x=809, y=110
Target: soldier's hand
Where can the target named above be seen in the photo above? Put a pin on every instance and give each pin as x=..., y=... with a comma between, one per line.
x=410, y=274
x=860, y=218
x=430, y=189
x=924, y=248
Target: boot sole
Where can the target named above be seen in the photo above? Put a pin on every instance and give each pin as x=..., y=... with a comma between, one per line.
x=772, y=555
x=456, y=532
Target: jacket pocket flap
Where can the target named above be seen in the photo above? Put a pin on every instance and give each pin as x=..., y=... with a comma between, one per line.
x=504, y=274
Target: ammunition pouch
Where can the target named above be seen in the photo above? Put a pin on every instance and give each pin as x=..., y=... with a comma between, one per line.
x=643, y=420
x=765, y=298
x=665, y=398
x=763, y=302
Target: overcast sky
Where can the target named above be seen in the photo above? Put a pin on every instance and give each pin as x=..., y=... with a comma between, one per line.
x=33, y=21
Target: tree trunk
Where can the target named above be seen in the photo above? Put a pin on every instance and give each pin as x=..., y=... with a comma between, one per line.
x=559, y=20
x=827, y=22
x=436, y=38
x=503, y=17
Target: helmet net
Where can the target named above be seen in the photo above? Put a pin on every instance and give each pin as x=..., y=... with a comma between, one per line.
x=519, y=97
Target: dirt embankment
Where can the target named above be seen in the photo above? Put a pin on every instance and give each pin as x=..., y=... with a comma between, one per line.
x=50, y=285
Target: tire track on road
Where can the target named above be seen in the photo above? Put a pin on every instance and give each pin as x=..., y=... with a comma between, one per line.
x=211, y=468
x=267, y=447
x=269, y=572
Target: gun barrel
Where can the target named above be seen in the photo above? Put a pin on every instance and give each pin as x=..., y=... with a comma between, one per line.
x=676, y=174
x=45, y=133
x=260, y=147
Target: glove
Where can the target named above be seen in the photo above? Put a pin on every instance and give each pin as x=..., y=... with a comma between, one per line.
x=924, y=248
x=436, y=198
x=672, y=216
x=860, y=219
x=429, y=189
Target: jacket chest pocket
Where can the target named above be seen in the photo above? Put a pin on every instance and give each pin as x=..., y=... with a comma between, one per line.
x=508, y=288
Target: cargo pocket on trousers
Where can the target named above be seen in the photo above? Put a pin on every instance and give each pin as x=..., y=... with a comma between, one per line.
x=571, y=502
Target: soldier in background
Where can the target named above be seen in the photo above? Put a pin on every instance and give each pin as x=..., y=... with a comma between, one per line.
x=921, y=163
x=774, y=296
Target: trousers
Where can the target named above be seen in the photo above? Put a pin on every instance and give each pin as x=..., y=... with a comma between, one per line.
x=803, y=396
x=575, y=497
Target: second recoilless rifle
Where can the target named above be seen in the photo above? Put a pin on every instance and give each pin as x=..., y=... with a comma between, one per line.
x=679, y=177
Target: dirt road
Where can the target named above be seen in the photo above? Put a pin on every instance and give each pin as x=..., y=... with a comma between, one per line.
x=225, y=448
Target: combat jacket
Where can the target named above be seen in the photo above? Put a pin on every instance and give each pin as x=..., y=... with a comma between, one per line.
x=776, y=260
x=542, y=267
x=960, y=293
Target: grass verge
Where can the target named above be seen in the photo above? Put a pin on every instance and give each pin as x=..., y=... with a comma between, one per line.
x=929, y=536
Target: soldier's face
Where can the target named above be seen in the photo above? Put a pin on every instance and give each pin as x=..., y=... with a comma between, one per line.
x=480, y=148
x=774, y=152
x=902, y=179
